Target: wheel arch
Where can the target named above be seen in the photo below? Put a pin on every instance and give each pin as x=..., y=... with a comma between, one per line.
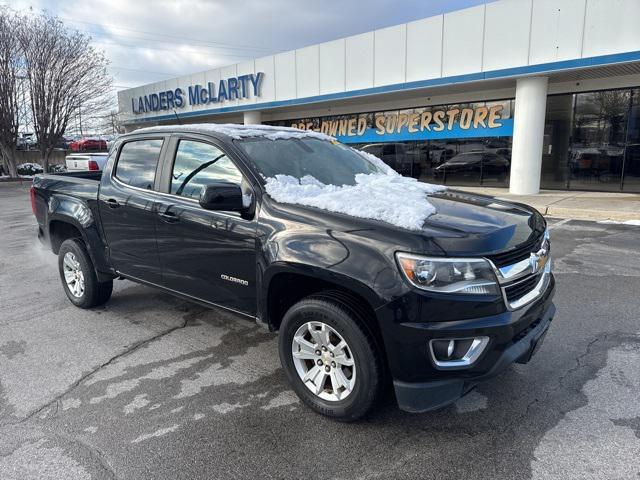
x=286, y=286
x=61, y=230
x=64, y=227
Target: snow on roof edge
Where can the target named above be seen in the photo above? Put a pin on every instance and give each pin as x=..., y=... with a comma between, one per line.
x=239, y=131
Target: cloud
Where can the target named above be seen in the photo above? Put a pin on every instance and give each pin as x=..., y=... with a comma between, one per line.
x=148, y=41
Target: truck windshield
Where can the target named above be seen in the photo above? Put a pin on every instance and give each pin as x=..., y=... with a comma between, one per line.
x=330, y=163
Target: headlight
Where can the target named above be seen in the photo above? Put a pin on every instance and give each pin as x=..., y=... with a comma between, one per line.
x=449, y=275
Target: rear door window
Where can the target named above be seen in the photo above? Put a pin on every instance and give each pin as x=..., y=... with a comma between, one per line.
x=137, y=163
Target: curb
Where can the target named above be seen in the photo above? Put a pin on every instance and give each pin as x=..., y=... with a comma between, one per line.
x=580, y=214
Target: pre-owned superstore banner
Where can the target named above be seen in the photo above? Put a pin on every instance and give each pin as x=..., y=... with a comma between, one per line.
x=429, y=123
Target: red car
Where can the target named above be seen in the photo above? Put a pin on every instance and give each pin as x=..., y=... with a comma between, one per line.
x=85, y=144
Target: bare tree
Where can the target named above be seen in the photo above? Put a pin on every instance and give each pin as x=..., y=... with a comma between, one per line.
x=66, y=76
x=111, y=124
x=11, y=66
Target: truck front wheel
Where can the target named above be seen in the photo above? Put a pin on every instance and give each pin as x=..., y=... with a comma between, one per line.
x=78, y=276
x=329, y=358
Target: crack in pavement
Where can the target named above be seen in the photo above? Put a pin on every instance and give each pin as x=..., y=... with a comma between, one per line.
x=50, y=440
x=560, y=381
x=94, y=452
x=632, y=423
x=134, y=347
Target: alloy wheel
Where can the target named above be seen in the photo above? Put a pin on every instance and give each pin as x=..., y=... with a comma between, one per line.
x=73, y=275
x=324, y=361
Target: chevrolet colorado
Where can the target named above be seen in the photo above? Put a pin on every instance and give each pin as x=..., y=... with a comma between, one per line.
x=363, y=287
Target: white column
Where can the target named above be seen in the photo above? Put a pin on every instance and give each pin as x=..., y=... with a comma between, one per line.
x=253, y=117
x=528, y=135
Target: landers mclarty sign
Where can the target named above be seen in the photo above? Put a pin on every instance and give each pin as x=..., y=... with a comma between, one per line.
x=232, y=88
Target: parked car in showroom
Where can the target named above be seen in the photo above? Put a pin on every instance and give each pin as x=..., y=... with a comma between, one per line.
x=367, y=276
x=87, y=144
x=474, y=164
x=82, y=162
x=397, y=157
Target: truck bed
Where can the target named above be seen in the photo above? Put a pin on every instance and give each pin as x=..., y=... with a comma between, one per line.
x=81, y=185
x=86, y=174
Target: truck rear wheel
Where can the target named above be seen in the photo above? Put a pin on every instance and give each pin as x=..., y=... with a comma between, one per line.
x=329, y=358
x=78, y=276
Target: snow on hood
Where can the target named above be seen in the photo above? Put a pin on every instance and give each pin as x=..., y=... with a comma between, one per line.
x=239, y=132
x=391, y=198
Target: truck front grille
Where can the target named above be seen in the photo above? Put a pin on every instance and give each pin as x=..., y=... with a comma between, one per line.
x=516, y=255
x=520, y=288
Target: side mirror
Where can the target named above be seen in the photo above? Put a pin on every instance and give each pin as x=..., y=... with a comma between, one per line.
x=225, y=196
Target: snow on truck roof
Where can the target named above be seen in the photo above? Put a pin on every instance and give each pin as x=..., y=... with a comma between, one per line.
x=237, y=131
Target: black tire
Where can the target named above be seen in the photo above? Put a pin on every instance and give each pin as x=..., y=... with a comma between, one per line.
x=95, y=292
x=368, y=362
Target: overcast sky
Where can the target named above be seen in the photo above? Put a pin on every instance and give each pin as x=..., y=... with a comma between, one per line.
x=152, y=40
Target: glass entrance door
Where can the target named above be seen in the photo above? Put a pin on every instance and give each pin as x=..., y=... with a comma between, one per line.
x=631, y=171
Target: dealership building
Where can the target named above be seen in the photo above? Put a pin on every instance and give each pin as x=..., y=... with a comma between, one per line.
x=524, y=94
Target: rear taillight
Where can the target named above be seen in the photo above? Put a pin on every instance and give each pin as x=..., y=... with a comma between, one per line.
x=93, y=165
x=32, y=196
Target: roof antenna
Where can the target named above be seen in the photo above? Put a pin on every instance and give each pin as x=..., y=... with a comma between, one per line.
x=177, y=117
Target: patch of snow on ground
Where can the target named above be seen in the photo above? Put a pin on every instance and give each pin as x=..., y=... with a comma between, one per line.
x=225, y=407
x=625, y=222
x=239, y=132
x=282, y=399
x=398, y=200
x=158, y=433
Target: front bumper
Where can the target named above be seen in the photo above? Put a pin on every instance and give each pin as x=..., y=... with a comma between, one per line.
x=420, y=386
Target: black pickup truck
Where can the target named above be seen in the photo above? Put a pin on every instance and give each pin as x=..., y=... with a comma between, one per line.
x=265, y=222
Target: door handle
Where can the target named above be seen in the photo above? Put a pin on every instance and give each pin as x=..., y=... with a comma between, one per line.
x=169, y=216
x=112, y=203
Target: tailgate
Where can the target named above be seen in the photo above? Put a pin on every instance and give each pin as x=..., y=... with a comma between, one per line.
x=77, y=164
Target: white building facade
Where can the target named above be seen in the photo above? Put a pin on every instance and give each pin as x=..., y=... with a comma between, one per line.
x=525, y=94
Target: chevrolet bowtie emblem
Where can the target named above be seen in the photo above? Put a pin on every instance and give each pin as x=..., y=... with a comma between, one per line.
x=538, y=260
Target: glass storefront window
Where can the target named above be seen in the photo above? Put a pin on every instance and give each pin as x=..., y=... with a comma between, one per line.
x=591, y=140
x=631, y=171
x=456, y=144
x=557, y=142
x=599, y=133
x=481, y=161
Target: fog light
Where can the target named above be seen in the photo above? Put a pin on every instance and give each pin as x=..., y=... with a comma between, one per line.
x=456, y=352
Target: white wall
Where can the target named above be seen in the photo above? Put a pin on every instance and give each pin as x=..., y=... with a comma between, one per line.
x=462, y=41
x=488, y=37
x=424, y=48
x=285, y=75
x=504, y=45
x=308, y=71
x=390, y=58
x=359, y=61
x=332, y=66
x=556, y=30
x=611, y=26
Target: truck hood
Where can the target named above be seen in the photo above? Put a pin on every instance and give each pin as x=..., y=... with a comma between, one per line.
x=467, y=223
x=464, y=224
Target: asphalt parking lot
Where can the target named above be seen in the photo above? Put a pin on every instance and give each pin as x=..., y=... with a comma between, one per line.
x=149, y=386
